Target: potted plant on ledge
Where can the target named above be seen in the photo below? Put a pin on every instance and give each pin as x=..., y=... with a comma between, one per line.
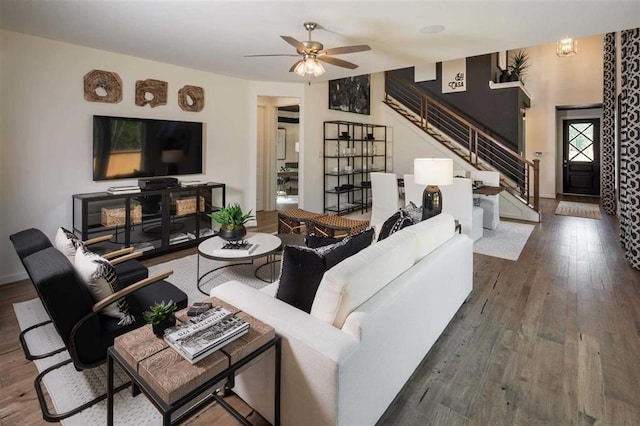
x=518, y=64
x=161, y=316
x=231, y=220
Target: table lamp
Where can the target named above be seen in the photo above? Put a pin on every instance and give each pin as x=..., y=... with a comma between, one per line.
x=432, y=172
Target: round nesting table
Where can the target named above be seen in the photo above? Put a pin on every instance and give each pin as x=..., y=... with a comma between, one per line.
x=265, y=245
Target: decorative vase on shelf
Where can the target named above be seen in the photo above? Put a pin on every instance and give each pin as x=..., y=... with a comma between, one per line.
x=504, y=76
x=233, y=234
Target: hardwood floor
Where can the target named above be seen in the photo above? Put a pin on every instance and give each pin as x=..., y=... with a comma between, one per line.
x=550, y=339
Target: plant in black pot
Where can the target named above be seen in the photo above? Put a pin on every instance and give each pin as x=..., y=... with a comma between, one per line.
x=518, y=65
x=161, y=316
x=231, y=220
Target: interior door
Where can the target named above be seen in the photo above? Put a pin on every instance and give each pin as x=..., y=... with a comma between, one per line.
x=581, y=158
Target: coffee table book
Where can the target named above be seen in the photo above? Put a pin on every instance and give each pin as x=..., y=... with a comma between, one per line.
x=205, y=334
x=239, y=250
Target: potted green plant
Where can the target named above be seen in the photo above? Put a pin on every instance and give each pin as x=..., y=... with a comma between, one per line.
x=518, y=65
x=161, y=316
x=231, y=220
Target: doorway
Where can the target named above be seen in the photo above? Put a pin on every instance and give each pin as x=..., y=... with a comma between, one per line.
x=278, y=142
x=581, y=156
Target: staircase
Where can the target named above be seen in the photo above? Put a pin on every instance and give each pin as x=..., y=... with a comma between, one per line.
x=518, y=176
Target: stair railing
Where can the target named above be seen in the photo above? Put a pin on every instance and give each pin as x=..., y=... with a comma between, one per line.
x=479, y=148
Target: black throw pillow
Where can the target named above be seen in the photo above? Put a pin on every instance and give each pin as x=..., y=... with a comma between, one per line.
x=361, y=240
x=396, y=222
x=336, y=253
x=314, y=241
x=302, y=271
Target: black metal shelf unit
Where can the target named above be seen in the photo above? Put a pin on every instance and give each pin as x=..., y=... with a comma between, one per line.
x=155, y=221
x=351, y=151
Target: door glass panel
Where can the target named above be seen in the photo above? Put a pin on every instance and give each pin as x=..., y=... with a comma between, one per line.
x=581, y=142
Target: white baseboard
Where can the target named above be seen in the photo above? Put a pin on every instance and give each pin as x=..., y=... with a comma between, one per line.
x=7, y=279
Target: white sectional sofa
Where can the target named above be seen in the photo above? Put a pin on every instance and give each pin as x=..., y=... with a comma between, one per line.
x=374, y=318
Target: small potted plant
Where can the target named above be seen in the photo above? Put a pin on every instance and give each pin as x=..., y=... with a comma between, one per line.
x=161, y=316
x=518, y=65
x=231, y=220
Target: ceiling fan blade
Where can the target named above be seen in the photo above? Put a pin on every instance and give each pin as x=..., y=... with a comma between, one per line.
x=295, y=43
x=345, y=49
x=293, y=67
x=338, y=62
x=272, y=54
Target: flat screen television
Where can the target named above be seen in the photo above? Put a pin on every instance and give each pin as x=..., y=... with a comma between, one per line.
x=140, y=147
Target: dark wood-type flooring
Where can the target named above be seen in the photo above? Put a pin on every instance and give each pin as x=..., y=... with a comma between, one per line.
x=550, y=339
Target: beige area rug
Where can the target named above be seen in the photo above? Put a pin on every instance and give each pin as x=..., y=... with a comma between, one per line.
x=570, y=208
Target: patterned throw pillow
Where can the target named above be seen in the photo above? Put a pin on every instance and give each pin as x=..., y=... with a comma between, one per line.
x=102, y=281
x=67, y=243
x=414, y=212
x=396, y=222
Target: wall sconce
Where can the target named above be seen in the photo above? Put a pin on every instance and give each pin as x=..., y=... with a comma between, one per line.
x=567, y=47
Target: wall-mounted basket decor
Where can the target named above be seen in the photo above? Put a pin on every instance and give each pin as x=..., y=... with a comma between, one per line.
x=191, y=98
x=97, y=81
x=156, y=89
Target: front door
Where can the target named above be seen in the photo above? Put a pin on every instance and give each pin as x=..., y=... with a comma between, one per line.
x=581, y=161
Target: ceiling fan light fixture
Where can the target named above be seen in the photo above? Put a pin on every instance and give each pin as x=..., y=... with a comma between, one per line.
x=319, y=69
x=310, y=65
x=300, y=69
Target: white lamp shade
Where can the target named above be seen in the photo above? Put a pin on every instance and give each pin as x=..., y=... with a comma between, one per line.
x=433, y=171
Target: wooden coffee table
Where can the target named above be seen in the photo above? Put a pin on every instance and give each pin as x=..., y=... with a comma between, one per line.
x=266, y=246
x=170, y=382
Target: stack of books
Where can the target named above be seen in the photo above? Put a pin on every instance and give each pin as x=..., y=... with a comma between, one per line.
x=178, y=238
x=125, y=189
x=235, y=249
x=205, y=334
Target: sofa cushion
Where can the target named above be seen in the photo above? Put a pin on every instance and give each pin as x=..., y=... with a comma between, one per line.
x=102, y=281
x=394, y=223
x=67, y=243
x=414, y=212
x=361, y=240
x=431, y=233
x=302, y=270
x=353, y=281
x=314, y=240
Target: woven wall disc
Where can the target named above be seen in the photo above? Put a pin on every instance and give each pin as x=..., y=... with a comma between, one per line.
x=191, y=98
x=157, y=89
x=109, y=81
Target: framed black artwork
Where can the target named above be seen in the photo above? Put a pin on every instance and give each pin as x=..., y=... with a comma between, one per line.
x=351, y=94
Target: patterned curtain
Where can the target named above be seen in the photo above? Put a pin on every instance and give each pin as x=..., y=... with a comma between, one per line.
x=630, y=146
x=608, y=145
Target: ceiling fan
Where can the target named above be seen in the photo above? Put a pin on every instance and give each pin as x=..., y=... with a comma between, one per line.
x=311, y=52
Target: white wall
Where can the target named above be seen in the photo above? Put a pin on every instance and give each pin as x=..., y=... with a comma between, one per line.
x=555, y=81
x=46, y=133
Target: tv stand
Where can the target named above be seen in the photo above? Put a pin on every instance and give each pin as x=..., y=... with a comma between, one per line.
x=154, y=221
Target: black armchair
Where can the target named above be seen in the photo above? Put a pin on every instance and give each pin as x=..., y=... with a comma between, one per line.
x=86, y=332
x=32, y=240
